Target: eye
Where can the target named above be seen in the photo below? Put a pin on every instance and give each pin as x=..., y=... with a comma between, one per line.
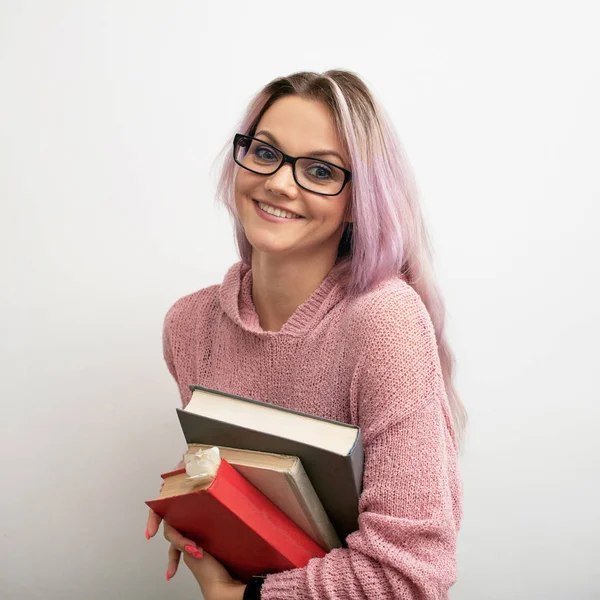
x=265, y=154
x=320, y=172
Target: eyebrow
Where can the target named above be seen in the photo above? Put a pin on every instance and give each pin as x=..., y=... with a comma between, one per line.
x=315, y=153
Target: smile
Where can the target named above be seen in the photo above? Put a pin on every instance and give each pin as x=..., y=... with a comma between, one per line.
x=278, y=213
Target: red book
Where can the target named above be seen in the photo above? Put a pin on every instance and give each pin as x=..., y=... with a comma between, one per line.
x=234, y=522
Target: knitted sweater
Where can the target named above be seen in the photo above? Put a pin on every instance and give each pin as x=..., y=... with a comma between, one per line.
x=372, y=362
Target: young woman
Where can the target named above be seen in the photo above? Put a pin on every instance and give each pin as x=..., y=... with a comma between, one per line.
x=333, y=310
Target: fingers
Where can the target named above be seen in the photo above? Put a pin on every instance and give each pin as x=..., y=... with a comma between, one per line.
x=172, y=566
x=152, y=524
x=180, y=542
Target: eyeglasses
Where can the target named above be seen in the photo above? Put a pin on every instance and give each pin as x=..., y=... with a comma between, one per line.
x=312, y=174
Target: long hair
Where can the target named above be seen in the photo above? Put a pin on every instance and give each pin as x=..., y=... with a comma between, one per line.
x=387, y=236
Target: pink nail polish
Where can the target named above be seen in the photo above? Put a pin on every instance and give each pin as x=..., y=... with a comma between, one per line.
x=146, y=534
x=167, y=576
x=193, y=551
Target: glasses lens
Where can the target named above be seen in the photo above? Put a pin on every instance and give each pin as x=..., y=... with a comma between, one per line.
x=257, y=156
x=319, y=177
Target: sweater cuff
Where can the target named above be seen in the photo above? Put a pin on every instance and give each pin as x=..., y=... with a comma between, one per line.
x=288, y=584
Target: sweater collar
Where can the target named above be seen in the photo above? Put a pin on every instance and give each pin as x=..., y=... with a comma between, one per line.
x=235, y=296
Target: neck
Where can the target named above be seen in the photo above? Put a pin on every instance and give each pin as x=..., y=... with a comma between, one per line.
x=281, y=284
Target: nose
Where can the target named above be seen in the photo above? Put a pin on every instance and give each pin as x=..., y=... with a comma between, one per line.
x=282, y=182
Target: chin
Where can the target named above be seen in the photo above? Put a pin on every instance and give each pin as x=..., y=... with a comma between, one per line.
x=266, y=246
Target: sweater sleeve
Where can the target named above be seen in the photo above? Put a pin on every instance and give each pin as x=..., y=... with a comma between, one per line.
x=409, y=509
x=182, y=325
x=166, y=342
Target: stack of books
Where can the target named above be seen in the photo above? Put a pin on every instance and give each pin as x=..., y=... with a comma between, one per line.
x=285, y=490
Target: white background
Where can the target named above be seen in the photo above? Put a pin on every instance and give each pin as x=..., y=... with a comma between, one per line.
x=111, y=115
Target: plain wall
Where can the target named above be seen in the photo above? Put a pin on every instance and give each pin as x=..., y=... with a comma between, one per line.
x=111, y=115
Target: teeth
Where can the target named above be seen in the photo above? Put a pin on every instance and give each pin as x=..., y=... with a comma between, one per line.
x=277, y=212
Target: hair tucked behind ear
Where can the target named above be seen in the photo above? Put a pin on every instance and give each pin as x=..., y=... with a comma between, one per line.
x=387, y=236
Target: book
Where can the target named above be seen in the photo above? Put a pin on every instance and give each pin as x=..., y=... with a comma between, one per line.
x=331, y=452
x=234, y=522
x=283, y=480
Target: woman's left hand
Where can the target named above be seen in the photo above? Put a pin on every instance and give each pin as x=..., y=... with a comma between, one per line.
x=212, y=577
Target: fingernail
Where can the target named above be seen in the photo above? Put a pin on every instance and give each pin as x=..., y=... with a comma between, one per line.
x=167, y=575
x=193, y=551
x=146, y=534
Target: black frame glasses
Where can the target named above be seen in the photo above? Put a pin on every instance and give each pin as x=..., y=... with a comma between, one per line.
x=286, y=158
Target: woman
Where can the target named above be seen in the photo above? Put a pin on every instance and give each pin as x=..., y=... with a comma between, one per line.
x=333, y=310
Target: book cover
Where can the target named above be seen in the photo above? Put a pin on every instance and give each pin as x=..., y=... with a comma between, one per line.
x=331, y=452
x=234, y=522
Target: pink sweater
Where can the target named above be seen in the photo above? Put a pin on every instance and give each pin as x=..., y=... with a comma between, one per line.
x=372, y=362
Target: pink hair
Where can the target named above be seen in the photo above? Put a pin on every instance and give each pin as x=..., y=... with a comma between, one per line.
x=388, y=236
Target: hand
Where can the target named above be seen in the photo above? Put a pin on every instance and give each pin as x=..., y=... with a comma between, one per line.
x=214, y=580
x=179, y=543
x=212, y=577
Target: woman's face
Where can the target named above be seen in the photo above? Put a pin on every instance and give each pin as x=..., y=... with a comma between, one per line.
x=298, y=127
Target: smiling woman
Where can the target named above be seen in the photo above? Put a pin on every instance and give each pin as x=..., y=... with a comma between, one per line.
x=335, y=277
